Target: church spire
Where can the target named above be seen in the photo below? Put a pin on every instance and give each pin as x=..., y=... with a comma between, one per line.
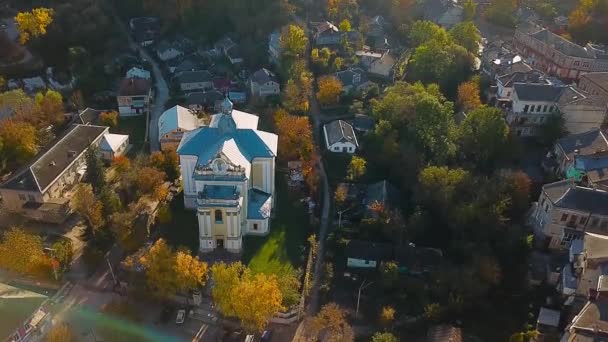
x=226, y=105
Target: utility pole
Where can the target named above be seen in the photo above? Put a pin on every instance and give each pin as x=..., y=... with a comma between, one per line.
x=361, y=288
x=111, y=270
x=54, y=262
x=340, y=217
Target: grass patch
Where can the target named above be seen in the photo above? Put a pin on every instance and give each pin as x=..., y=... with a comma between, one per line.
x=336, y=165
x=183, y=228
x=135, y=127
x=284, y=248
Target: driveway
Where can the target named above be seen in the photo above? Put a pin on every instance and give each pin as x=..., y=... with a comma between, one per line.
x=161, y=97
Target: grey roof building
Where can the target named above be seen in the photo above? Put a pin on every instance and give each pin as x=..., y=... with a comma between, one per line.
x=340, y=137
x=194, y=76
x=538, y=92
x=264, y=75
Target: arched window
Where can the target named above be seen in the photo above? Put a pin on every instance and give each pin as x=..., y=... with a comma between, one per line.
x=218, y=216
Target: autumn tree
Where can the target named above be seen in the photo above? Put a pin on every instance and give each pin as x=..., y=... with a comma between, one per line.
x=18, y=141
x=468, y=96
x=484, y=136
x=341, y=9
x=384, y=337
x=331, y=323
x=330, y=89
x=149, y=181
x=467, y=35
x=21, y=251
x=293, y=41
x=387, y=315
x=87, y=206
x=295, y=135
x=345, y=25
x=109, y=118
x=129, y=234
x=236, y=292
x=166, y=161
x=33, y=24
x=191, y=273
x=95, y=175
x=48, y=109
x=356, y=168
x=60, y=332
x=469, y=10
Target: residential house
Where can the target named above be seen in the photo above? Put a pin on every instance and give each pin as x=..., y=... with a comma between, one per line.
x=378, y=63
x=353, y=80
x=234, y=54
x=207, y=101
x=566, y=149
x=366, y=254
x=194, y=80
x=445, y=13
x=167, y=51
x=223, y=45
x=228, y=171
x=591, y=323
x=565, y=211
x=595, y=83
x=133, y=96
x=187, y=64
x=274, y=47
x=582, y=111
x=113, y=145
x=555, y=55
x=504, y=83
x=327, y=34
x=145, y=30
x=136, y=72
x=42, y=184
x=264, y=83
x=364, y=123
x=88, y=116
x=340, y=137
x=444, y=333
x=172, y=125
x=547, y=321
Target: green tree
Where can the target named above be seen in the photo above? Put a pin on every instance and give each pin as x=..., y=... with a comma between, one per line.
x=553, y=129
x=469, y=10
x=63, y=252
x=110, y=201
x=293, y=41
x=345, y=25
x=356, y=168
x=484, y=136
x=438, y=187
x=467, y=35
x=424, y=31
x=384, y=337
x=502, y=12
x=95, y=174
x=48, y=109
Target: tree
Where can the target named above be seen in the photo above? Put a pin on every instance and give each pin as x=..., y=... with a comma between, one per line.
x=469, y=10
x=331, y=323
x=48, y=109
x=87, y=206
x=387, y=315
x=341, y=9
x=330, y=89
x=60, y=332
x=148, y=180
x=438, y=187
x=34, y=23
x=502, y=12
x=236, y=292
x=345, y=25
x=553, y=129
x=95, y=174
x=191, y=273
x=18, y=141
x=468, y=96
x=433, y=312
x=384, y=337
x=63, y=252
x=77, y=100
x=390, y=274
x=109, y=118
x=129, y=234
x=166, y=161
x=160, y=273
x=110, y=201
x=356, y=168
x=20, y=251
x=121, y=163
x=294, y=97
x=484, y=136
x=424, y=31
x=295, y=136
x=467, y=35
x=293, y=41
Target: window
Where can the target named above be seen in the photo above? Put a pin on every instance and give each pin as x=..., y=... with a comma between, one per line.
x=544, y=108
x=542, y=203
x=585, y=64
x=551, y=109
x=573, y=219
x=31, y=198
x=577, y=63
x=526, y=108
x=218, y=216
x=532, y=108
x=542, y=119
x=583, y=220
x=594, y=222
x=564, y=217
x=568, y=237
x=22, y=197
x=255, y=226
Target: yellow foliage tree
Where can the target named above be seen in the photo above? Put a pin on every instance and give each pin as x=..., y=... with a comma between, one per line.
x=86, y=205
x=330, y=89
x=468, y=96
x=109, y=118
x=48, y=108
x=225, y=278
x=293, y=41
x=34, y=23
x=190, y=272
x=387, y=315
x=21, y=251
x=18, y=141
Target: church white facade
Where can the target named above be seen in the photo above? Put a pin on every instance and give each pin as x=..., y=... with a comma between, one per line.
x=228, y=171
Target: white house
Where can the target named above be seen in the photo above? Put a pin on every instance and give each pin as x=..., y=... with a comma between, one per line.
x=264, y=83
x=365, y=254
x=228, y=171
x=136, y=72
x=172, y=125
x=166, y=51
x=378, y=63
x=134, y=96
x=195, y=80
x=340, y=137
x=113, y=145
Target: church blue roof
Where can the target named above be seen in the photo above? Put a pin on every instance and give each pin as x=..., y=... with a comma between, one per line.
x=206, y=142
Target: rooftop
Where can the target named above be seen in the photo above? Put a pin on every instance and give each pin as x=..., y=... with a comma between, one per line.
x=585, y=143
x=49, y=164
x=598, y=78
x=367, y=250
x=259, y=205
x=177, y=117
x=194, y=76
x=565, y=194
x=340, y=131
x=538, y=92
x=352, y=77
x=134, y=87
x=263, y=76
x=112, y=142
x=563, y=45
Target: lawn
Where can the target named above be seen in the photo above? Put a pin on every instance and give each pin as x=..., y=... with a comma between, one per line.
x=183, y=228
x=135, y=127
x=284, y=248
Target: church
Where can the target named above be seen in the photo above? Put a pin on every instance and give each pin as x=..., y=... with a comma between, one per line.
x=228, y=171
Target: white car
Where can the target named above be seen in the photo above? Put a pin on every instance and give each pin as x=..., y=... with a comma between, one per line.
x=181, y=316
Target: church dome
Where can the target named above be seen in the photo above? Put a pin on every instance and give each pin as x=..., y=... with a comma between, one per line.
x=226, y=106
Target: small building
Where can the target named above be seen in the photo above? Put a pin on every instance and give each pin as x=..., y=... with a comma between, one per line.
x=136, y=72
x=445, y=13
x=378, y=63
x=547, y=321
x=505, y=82
x=564, y=153
x=113, y=145
x=195, y=80
x=234, y=54
x=264, y=83
x=364, y=123
x=327, y=34
x=88, y=116
x=224, y=44
x=353, y=80
x=52, y=172
x=207, y=101
x=172, y=125
x=145, y=30
x=340, y=137
x=167, y=51
x=187, y=64
x=134, y=96
x=366, y=254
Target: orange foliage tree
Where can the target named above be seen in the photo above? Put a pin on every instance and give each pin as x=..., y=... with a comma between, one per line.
x=468, y=96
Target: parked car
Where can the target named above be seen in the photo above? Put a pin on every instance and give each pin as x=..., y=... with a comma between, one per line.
x=181, y=316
